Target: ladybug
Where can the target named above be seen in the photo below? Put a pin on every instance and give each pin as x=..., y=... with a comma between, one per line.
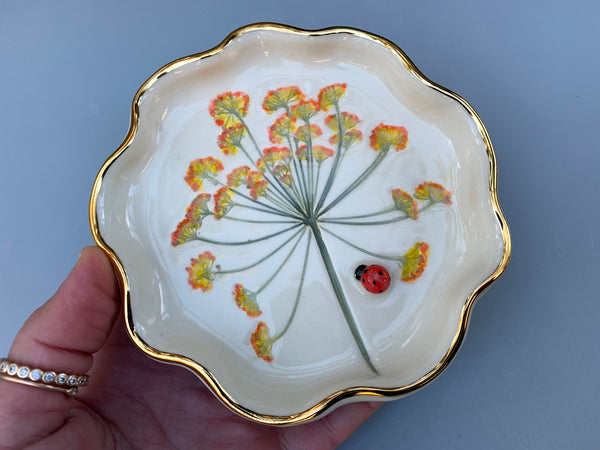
x=374, y=278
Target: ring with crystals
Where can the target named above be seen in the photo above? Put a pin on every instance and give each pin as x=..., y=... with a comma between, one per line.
x=47, y=379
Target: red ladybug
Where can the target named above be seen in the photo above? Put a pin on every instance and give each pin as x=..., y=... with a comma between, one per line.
x=374, y=278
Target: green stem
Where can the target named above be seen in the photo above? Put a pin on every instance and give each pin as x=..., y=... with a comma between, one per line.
x=264, y=258
x=378, y=213
x=269, y=189
x=268, y=211
x=247, y=197
x=279, y=186
x=374, y=222
x=266, y=283
x=360, y=249
x=240, y=219
x=250, y=241
x=298, y=175
x=336, y=161
x=297, y=301
x=269, y=196
x=339, y=293
x=317, y=180
x=310, y=168
x=362, y=177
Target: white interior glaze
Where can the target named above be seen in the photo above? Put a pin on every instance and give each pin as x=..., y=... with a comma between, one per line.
x=408, y=329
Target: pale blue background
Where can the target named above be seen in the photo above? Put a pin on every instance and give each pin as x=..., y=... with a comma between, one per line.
x=527, y=375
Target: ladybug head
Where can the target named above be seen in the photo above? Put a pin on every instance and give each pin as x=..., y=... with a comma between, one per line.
x=359, y=271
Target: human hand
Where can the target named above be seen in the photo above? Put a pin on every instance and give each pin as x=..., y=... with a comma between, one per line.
x=131, y=401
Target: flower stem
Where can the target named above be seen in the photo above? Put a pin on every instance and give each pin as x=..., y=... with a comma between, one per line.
x=297, y=301
x=264, y=258
x=241, y=219
x=279, y=186
x=374, y=222
x=362, y=177
x=336, y=161
x=268, y=211
x=360, y=249
x=247, y=197
x=250, y=241
x=339, y=293
x=298, y=175
x=378, y=213
x=283, y=263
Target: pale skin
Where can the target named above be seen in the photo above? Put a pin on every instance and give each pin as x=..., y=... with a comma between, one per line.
x=131, y=401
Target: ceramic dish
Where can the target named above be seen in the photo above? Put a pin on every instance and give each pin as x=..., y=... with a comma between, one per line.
x=302, y=219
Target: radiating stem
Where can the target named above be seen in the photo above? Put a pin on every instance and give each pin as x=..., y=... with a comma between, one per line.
x=283, y=263
x=336, y=161
x=249, y=241
x=241, y=219
x=269, y=189
x=247, y=197
x=299, y=176
x=264, y=258
x=360, y=249
x=299, y=293
x=360, y=216
x=277, y=202
x=268, y=211
x=362, y=177
x=278, y=186
x=339, y=293
x=310, y=167
x=374, y=222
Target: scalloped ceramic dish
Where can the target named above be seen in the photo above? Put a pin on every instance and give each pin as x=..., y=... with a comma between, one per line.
x=302, y=219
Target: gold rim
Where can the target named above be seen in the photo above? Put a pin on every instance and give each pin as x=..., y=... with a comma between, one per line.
x=335, y=398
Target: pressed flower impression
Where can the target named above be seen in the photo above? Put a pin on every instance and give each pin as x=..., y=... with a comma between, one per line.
x=290, y=186
x=301, y=219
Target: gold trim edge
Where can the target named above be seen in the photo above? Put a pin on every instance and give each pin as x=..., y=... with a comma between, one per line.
x=332, y=400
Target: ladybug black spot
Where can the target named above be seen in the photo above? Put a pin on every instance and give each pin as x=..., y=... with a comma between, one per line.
x=374, y=283
x=380, y=273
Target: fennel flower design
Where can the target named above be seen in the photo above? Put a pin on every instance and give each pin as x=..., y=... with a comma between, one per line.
x=289, y=184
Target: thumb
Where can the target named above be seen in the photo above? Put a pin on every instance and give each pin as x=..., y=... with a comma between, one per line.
x=60, y=336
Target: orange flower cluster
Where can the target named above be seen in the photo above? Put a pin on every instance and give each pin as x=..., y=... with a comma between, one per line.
x=238, y=176
x=201, y=273
x=348, y=121
x=231, y=139
x=281, y=98
x=245, y=299
x=223, y=203
x=404, y=202
x=383, y=137
x=186, y=231
x=414, y=262
x=305, y=109
x=256, y=184
x=330, y=95
x=321, y=153
x=262, y=342
x=273, y=155
x=305, y=133
x=282, y=172
x=283, y=128
x=351, y=137
x=200, y=169
x=433, y=192
x=228, y=108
